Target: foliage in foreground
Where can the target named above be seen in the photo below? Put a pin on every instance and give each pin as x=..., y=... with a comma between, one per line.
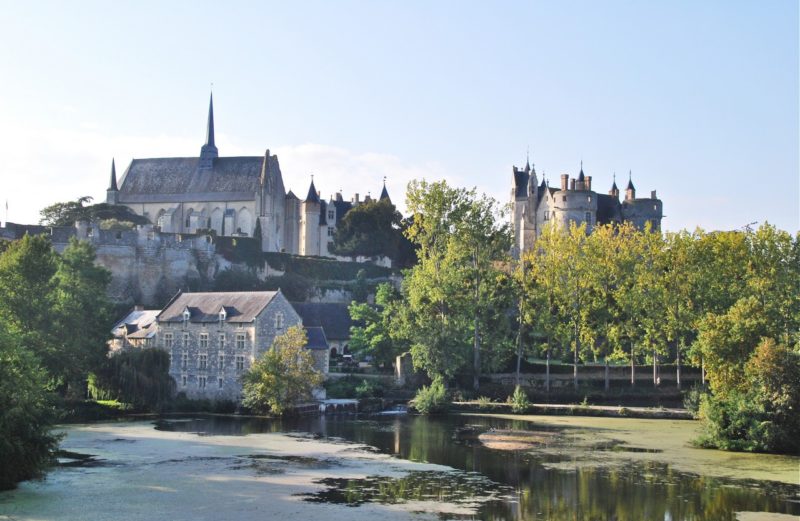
x=519, y=401
x=431, y=399
x=26, y=441
x=283, y=377
x=67, y=213
x=763, y=413
x=139, y=377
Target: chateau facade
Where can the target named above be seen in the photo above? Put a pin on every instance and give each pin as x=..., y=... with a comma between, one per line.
x=534, y=205
x=213, y=338
x=233, y=196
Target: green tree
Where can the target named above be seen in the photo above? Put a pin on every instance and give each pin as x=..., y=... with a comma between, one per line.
x=283, y=377
x=66, y=213
x=26, y=416
x=374, y=337
x=371, y=229
x=80, y=304
x=136, y=376
x=454, y=308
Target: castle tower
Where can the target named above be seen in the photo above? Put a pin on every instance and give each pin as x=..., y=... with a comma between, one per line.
x=630, y=191
x=384, y=192
x=309, y=222
x=209, y=152
x=614, y=192
x=112, y=193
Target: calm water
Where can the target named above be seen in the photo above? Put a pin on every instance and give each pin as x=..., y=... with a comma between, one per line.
x=542, y=485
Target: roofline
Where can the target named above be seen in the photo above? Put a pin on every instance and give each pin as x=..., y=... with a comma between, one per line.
x=169, y=303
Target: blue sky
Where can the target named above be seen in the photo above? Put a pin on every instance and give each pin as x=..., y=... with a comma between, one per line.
x=698, y=99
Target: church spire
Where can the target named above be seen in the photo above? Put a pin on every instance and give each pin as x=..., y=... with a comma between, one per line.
x=113, y=184
x=384, y=192
x=209, y=150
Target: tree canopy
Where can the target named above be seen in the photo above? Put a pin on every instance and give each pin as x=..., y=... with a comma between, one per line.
x=371, y=229
x=67, y=213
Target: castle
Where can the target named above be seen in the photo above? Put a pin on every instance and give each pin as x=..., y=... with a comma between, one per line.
x=233, y=196
x=535, y=204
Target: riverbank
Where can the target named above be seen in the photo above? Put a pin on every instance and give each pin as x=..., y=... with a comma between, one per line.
x=664, y=413
x=599, y=441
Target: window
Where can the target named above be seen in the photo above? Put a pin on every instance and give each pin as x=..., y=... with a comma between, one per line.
x=204, y=340
x=239, y=340
x=239, y=326
x=546, y=216
x=184, y=359
x=278, y=320
x=184, y=379
x=221, y=361
x=330, y=215
x=330, y=231
x=222, y=340
x=564, y=198
x=202, y=361
x=170, y=358
x=167, y=340
x=201, y=382
x=219, y=383
x=186, y=340
x=588, y=217
x=239, y=363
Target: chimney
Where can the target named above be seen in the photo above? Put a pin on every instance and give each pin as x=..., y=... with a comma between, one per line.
x=572, y=184
x=564, y=180
x=653, y=195
x=588, y=185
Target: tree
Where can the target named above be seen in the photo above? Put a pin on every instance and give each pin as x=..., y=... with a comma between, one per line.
x=283, y=377
x=137, y=376
x=26, y=417
x=67, y=213
x=451, y=294
x=370, y=229
x=374, y=337
x=80, y=304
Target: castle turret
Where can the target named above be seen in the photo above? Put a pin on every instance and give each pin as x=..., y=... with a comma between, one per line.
x=384, y=192
x=112, y=193
x=614, y=192
x=209, y=152
x=310, y=222
x=630, y=191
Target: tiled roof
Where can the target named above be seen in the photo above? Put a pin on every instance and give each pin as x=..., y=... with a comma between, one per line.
x=137, y=324
x=240, y=306
x=332, y=317
x=316, y=338
x=179, y=179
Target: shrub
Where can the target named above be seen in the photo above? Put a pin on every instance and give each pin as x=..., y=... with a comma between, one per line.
x=433, y=399
x=519, y=401
x=484, y=402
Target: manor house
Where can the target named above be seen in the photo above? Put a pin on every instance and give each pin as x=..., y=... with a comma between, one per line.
x=535, y=204
x=231, y=196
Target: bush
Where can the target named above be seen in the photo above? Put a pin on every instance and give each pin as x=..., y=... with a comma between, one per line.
x=692, y=398
x=139, y=377
x=484, y=402
x=433, y=399
x=354, y=387
x=519, y=401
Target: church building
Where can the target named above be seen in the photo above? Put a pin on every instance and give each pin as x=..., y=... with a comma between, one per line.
x=229, y=195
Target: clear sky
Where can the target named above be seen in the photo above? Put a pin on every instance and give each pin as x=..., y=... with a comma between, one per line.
x=698, y=99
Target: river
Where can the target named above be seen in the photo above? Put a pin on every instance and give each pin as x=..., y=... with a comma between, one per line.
x=405, y=467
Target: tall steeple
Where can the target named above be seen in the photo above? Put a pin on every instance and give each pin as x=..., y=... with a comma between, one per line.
x=113, y=192
x=209, y=150
x=113, y=184
x=384, y=192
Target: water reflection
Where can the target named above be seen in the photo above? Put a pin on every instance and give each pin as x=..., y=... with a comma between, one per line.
x=536, y=486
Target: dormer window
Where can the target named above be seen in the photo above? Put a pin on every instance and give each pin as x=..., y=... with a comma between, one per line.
x=186, y=315
x=223, y=315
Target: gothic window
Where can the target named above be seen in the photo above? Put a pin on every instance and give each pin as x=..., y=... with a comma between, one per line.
x=204, y=340
x=239, y=340
x=202, y=362
x=278, y=320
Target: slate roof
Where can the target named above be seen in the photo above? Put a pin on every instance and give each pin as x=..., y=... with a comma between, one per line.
x=385, y=194
x=316, y=338
x=521, y=178
x=180, y=179
x=137, y=324
x=334, y=318
x=240, y=306
x=312, y=196
x=608, y=209
x=342, y=207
